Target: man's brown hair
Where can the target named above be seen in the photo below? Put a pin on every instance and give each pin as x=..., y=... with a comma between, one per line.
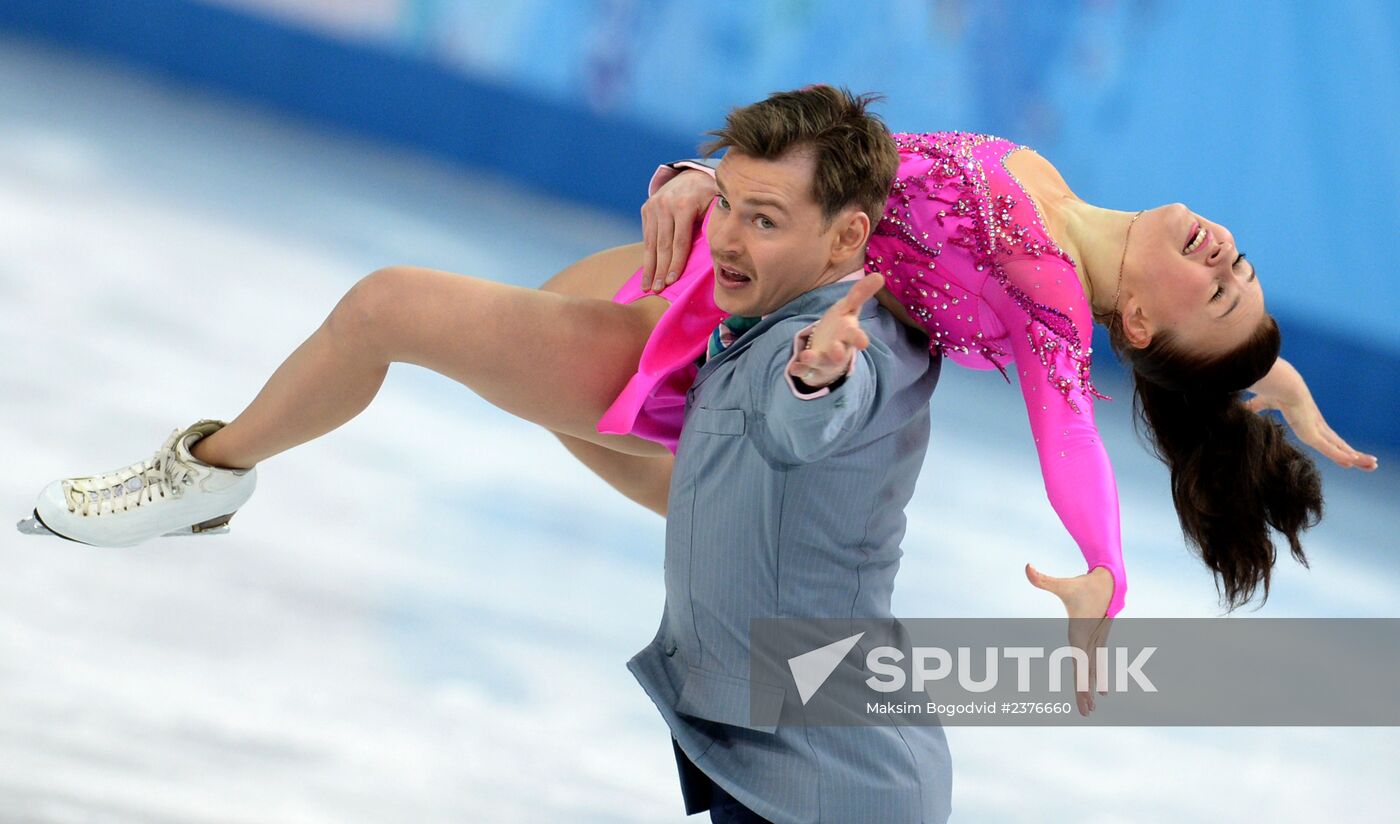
x=856, y=158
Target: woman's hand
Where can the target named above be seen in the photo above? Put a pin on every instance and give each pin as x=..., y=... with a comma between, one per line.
x=668, y=219
x=1285, y=390
x=1086, y=599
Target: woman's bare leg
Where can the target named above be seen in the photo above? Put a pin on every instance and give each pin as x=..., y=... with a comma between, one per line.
x=639, y=477
x=553, y=359
x=643, y=480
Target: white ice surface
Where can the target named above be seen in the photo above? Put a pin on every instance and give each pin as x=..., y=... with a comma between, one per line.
x=425, y=615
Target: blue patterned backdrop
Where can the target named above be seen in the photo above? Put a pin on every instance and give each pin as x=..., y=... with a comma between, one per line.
x=1276, y=119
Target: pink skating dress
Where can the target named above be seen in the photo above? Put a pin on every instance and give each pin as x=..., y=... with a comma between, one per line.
x=964, y=248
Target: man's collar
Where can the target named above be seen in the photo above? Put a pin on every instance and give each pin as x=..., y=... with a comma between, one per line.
x=856, y=275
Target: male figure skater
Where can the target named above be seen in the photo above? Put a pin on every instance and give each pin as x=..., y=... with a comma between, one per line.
x=799, y=452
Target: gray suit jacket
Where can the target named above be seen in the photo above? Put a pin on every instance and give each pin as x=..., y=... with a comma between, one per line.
x=782, y=507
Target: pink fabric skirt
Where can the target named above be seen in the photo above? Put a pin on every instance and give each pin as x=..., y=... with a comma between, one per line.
x=652, y=405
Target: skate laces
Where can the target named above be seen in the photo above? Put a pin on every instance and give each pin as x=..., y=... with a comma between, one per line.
x=163, y=475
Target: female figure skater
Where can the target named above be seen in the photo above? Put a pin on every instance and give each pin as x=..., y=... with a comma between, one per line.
x=983, y=246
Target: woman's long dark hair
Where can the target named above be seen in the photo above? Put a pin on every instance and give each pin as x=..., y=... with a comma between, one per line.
x=1233, y=472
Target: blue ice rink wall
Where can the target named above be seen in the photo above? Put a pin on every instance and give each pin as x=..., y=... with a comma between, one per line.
x=1276, y=119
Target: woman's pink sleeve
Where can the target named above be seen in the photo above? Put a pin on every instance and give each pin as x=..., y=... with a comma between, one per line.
x=1078, y=477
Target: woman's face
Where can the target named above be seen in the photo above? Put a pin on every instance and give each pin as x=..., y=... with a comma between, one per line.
x=1184, y=275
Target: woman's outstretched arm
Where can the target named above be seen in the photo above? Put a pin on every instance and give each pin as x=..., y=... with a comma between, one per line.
x=1285, y=390
x=1079, y=480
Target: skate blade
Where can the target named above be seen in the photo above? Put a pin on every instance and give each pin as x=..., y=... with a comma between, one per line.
x=32, y=526
x=215, y=526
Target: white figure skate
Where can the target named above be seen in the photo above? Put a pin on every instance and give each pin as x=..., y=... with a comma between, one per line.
x=172, y=493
